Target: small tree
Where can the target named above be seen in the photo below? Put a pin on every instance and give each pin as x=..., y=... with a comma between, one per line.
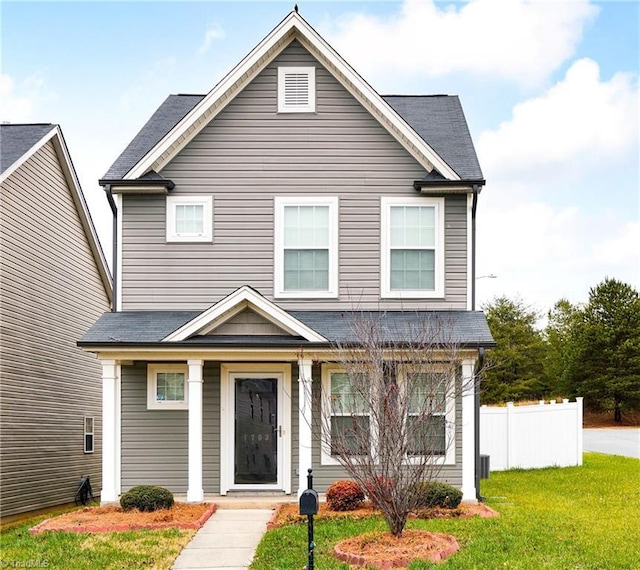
x=390, y=410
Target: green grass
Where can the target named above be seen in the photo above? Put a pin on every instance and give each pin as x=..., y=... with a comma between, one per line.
x=147, y=549
x=585, y=518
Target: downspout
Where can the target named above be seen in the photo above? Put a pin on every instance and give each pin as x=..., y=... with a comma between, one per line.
x=477, y=381
x=476, y=391
x=114, y=256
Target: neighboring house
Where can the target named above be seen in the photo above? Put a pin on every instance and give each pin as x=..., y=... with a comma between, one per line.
x=54, y=283
x=251, y=222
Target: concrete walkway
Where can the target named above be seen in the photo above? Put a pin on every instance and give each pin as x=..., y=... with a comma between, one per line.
x=227, y=540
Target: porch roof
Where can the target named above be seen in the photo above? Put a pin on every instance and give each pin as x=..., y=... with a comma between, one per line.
x=149, y=328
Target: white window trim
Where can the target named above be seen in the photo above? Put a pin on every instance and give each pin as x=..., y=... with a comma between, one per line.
x=311, y=106
x=278, y=279
x=92, y=433
x=449, y=458
x=173, y=201
x=152, y=377
x=385, y=258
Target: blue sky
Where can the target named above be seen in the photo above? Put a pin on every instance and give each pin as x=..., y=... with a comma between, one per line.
x=550, y=91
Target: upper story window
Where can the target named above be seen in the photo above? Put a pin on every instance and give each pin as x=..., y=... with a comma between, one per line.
x=167, y=387
x=190, y=218
x=412, y=257
x=306, y=247
x=296, y=89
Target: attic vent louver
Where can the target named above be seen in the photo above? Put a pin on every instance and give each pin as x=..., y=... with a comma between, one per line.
x=296, y=90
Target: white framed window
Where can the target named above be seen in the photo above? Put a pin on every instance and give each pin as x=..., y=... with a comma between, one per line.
x=190, y=218
x=344, y=411
x=412, y=241
x=167, y=387
x=431, y=393
x=88, y=434
x=296, y=89
x=306, y=247
x=430, y=414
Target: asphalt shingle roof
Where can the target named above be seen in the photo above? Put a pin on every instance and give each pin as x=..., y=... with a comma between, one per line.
x=438, y=119
x=17, y=139
x=467, y=328
x=167, y=116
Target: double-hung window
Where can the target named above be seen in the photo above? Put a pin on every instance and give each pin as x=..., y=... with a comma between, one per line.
x=346, y=416
x=412, y=256
x=88, y=434
x=167, y=387
x=190, y=218
x=306, y=247
x=427, y=414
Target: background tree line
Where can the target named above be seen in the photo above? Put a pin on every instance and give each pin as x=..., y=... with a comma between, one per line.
x=590, y=350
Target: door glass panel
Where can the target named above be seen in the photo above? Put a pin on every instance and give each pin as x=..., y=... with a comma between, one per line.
x=256, y=431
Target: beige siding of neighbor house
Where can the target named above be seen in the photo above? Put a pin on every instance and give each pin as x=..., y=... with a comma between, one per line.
x=50, y=294
x=250, y=154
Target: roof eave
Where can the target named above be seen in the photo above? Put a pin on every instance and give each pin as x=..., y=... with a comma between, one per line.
x=448, y=186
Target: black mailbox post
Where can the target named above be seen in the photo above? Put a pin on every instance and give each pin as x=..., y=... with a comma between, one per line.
x=309, y=507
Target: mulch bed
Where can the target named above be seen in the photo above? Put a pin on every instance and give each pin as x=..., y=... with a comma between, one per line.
x=111, y=518
x=383, y=550
x=288, y=513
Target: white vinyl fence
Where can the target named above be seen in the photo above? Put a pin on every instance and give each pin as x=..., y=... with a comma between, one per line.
x=542, y=435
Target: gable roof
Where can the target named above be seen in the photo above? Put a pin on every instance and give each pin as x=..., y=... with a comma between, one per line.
x=18, y=143
x=233, y=304
x=438, y=119
x=154, y=146
x=152, y=328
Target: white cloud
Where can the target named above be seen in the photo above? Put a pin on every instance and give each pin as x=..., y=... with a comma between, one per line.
x=18, y=102
x=213, y=33
x=582, y=118
x=518, y=40
x=543, y=253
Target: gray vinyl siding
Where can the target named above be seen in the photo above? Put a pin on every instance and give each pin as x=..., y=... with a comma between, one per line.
x=250, y=154
x=155, y=442
x=50, y=294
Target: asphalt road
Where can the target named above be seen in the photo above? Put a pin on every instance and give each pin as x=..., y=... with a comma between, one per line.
x=613, y=441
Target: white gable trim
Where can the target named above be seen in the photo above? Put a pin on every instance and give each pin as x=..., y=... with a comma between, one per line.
x=64, y=159
x=292, y=27
x=233, y=304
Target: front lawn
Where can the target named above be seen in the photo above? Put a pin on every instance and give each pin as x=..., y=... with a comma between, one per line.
x=585, y=518
x=153, y=550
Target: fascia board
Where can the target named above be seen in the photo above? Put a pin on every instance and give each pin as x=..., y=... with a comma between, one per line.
x=221, y=95
x=232, y=305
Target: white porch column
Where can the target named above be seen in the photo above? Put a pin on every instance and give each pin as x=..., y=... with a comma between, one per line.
x=468, y=433
x=110, y=461
x=195, y=493
x=304, y=422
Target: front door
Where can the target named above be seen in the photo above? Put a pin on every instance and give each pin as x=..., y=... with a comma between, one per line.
x=255, y=422
x=256, y=431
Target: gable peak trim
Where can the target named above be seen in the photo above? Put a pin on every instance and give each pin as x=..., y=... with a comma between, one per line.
x=241, y=299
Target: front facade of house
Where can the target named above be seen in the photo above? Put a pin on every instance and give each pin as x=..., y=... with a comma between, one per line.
x=254, y=224
x=54, y=283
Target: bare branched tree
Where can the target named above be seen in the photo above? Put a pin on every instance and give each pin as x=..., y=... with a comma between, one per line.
x=390, y=409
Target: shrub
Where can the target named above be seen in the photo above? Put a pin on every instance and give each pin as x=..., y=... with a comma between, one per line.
x=432, y=494
x=146, y=498
x=344, y=496
x=379, y=491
